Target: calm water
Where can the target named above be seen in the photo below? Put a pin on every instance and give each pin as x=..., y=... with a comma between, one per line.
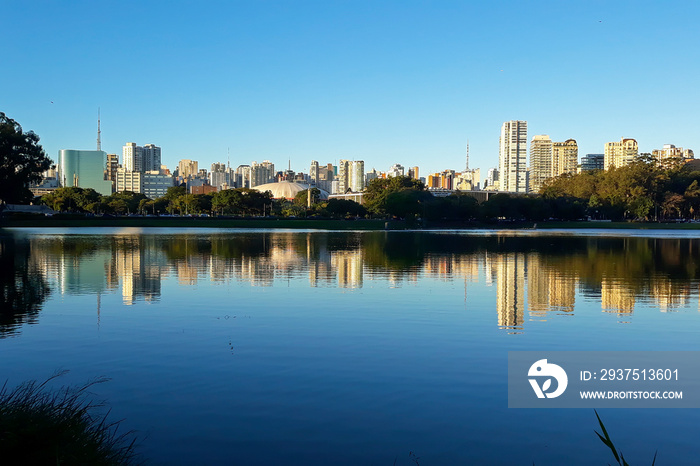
x=279, y=347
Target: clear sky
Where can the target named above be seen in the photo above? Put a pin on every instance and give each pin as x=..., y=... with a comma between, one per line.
x=379, y=81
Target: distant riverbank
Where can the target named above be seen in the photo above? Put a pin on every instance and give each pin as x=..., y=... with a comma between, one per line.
x=63, y=221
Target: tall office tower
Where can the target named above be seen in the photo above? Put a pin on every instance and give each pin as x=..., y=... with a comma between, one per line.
x=619, y=154
x=219, y=176
x=369, y=176
x=396, y=170
x=491, y=181
x=313, y=172
x=343, y=176
x=262, y=173
x=357, y=176
x=670, y=151
x=512, y=156
x=541, y=163
x=592, y=162
x=187, y=168
x=111, y=168
x=151, y=158
x=413, y=173
x=565, y=157
x=132, y=157
x=84, y=169
x=243, y=176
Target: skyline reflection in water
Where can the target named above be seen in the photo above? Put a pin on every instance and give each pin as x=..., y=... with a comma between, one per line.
x=535, y=275
x=287, y=347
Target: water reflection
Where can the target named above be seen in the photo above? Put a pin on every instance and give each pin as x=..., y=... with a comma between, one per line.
x=535, y=277
x=23, y=287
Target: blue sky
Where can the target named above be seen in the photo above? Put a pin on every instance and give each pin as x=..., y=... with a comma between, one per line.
x=384, y=82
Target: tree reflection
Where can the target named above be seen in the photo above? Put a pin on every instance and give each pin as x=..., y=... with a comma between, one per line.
x=23, y=287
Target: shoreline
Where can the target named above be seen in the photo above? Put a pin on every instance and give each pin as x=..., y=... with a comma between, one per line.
x=323, y=224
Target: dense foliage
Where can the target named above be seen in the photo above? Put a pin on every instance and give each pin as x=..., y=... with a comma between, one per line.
x=644, y=190
x=22, y=160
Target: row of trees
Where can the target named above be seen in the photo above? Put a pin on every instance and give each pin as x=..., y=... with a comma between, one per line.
x=242, y=201
x=644, y=190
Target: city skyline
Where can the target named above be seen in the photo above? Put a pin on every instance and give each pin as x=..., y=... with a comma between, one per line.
x=388, y=83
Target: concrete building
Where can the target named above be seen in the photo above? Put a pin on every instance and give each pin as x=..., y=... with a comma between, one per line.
x=592, y=162
x=549, y=159
x=396, y=170
x=152, y=183
x=262, y=173
x=468, y=180
x=619, y=154
x=220, y=175
x=512, y=156
x=132, y=157
x=357, y=175
x=491, y=182
x=242, y=176
x=112, y=165
x=187, y=168
x=84, y=169
x=565, y=157
x=670, y=151
x=541, y=161
x=413, y=173
x=343, y=176
x=313, y=172
x=151, y=158
x=128, y=180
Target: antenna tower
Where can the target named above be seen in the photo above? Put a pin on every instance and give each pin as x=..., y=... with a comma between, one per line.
x=467, y=155
x=99, y=133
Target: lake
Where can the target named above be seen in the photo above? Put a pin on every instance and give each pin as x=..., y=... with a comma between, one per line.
x=375, y=348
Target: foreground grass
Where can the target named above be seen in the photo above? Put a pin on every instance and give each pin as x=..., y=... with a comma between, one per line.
x=60, y=427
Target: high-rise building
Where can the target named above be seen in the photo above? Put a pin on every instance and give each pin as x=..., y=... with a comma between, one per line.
x=592, y=162
x=343, y=176
x=565, y=157
x=512, y=167
x=396, y=170
x=243, y=176
x=219, y=175
x=491, y=182
x=187, y=168
x=670, y=151
x=111, y=169
x=413, y=173
x=151, y=155
x=313, y=172
x=357, y=175
x=132, y=157
x=262, y=173
x=549, y=159
x=619, y=154
x=152, y=183
x=84, y=169
x=541, y=161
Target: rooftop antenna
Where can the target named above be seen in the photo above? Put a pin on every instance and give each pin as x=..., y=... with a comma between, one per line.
x=467, y=155
x=99, y=133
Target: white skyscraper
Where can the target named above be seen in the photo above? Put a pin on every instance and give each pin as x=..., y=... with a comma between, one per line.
x=132, y=157
x=357, y=176
x=512, y=166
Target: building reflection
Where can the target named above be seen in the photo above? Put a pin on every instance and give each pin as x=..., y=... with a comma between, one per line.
x=531, y=283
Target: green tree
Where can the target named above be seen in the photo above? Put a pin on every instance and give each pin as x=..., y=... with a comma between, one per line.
x=378, y=190
x=301, y=197
x=22, y=160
